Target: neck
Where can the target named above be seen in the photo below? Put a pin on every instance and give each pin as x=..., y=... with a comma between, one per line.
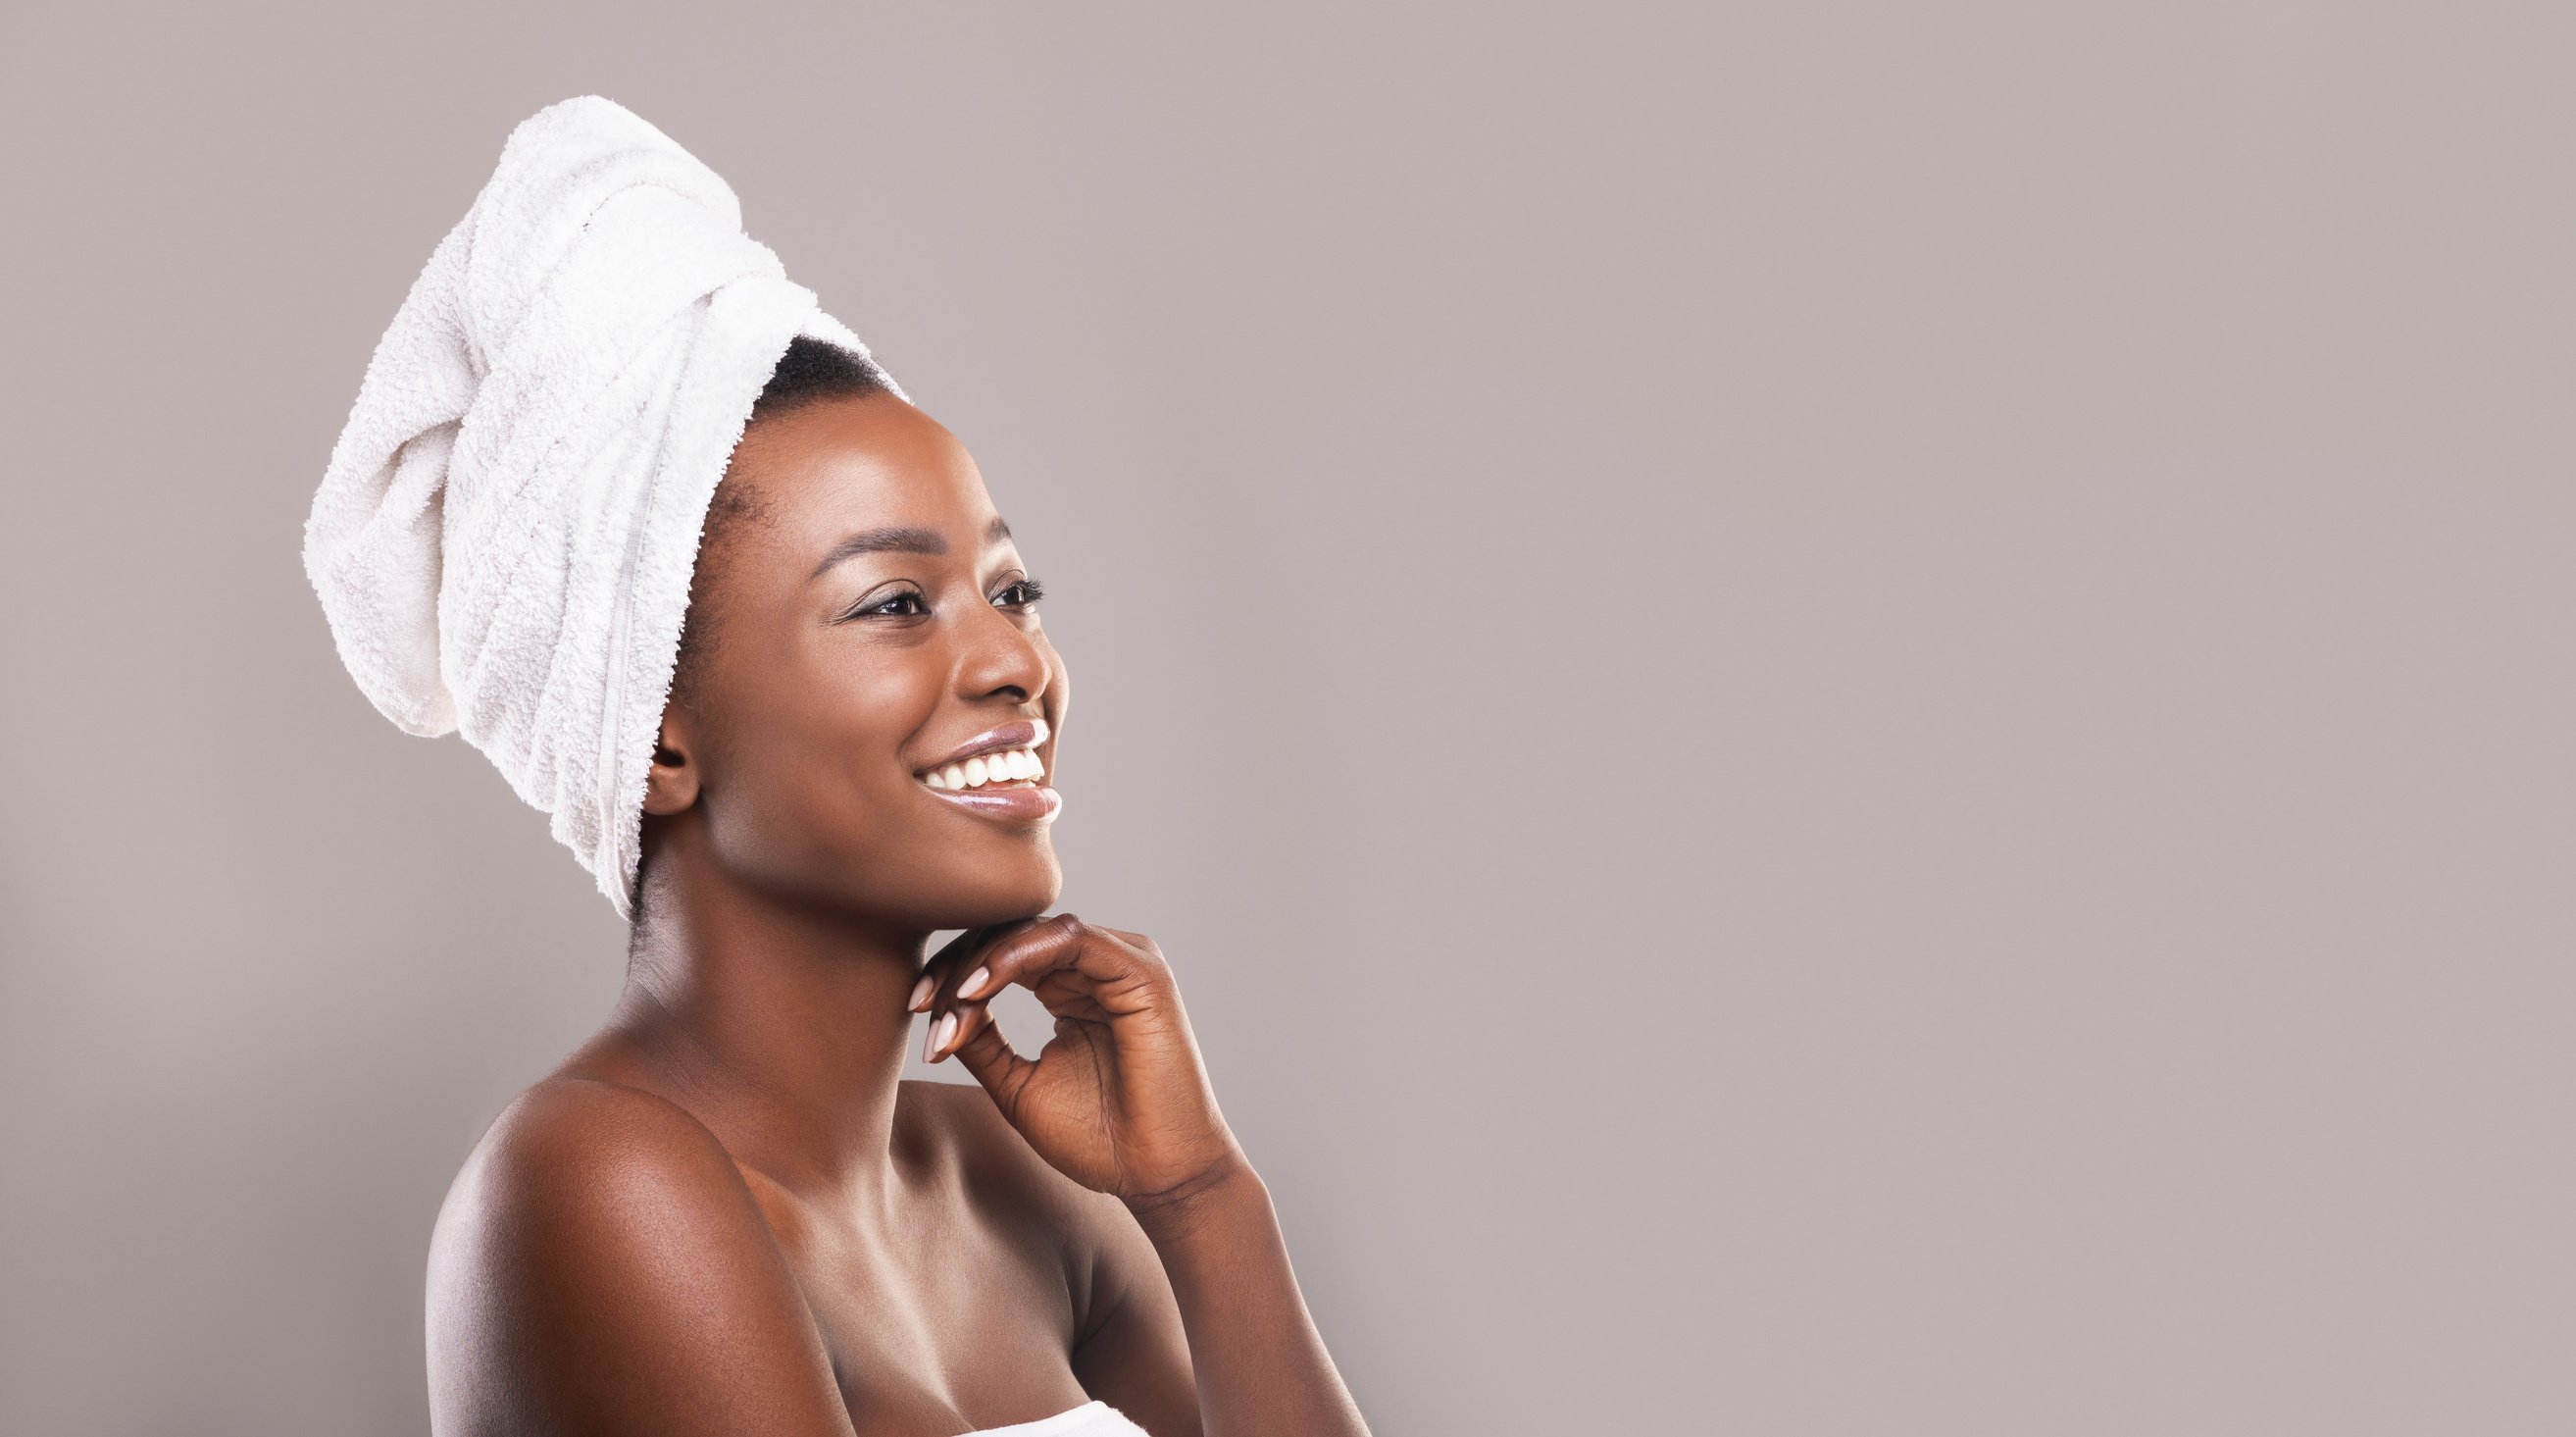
x=780, y=1026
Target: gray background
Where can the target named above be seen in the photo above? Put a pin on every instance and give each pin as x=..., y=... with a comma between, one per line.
x=1846, y=719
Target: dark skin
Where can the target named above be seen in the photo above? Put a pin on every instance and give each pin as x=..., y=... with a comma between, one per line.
x=726, y=1213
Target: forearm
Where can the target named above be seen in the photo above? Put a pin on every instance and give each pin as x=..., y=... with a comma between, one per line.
x=1261, y=1366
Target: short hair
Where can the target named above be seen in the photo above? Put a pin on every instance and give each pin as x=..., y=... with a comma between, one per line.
x=814, y=369
x=811, y=370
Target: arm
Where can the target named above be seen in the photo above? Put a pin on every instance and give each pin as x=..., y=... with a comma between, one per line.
x=600, y=1267
x=1254, y=1348
x=1207, y=1315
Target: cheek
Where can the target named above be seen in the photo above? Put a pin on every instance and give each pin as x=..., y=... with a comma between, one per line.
x=872, y=705
x=819, y=774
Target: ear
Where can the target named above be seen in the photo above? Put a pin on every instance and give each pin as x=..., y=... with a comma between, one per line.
x=672, y=784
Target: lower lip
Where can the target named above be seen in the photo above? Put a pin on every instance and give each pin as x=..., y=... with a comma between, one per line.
x=1004, y=802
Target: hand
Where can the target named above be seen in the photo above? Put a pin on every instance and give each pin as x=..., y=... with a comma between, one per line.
x=1118, y=1100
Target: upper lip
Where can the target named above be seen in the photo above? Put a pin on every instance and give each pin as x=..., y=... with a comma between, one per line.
x=1024, y=733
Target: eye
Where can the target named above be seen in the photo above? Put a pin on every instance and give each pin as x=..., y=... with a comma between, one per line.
x=881, y=606
x=1030, y=591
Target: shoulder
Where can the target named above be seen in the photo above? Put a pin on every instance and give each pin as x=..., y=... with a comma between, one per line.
x=1106, y=1259
x=1129, y=1345
x=956, y=1127
x=956, y=1120
x=600, y=1257
x=570, y=1113
x=573, y=1154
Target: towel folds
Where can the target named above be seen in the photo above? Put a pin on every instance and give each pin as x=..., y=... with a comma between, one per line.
x=503, y=538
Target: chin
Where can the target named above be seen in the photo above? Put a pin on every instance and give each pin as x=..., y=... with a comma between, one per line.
x=998, y=894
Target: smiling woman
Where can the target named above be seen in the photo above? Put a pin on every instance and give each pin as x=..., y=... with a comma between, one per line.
x=877, y=626
x=727, y=1213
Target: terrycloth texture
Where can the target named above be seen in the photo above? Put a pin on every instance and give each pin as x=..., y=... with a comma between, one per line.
x=1091, y=1419
x=504, y=537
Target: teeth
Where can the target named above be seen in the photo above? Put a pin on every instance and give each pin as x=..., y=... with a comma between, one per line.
x=986, y=768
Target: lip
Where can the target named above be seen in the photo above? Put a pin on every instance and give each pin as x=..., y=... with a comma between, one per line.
x=1025, y=733
x=1019, y=802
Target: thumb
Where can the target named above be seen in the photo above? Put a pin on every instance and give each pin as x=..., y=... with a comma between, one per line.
x=1003, y=1072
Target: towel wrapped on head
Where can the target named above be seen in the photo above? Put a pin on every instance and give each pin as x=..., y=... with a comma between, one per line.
x=504, y=536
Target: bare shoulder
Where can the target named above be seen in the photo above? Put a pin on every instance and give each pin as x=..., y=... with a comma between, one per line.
x=600, y=1263
x=1129, y=1346
x=958, y=1118
x=1013, y=1190
x=956, y=1124
x=574, y=1153
x=1127, y=1323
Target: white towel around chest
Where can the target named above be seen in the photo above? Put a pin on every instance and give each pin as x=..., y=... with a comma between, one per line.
x=1091, y=1419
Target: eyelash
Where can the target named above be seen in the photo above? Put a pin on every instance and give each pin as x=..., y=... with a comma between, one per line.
x=1036, y=591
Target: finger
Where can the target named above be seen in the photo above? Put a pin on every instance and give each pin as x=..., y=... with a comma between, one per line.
x=989, y=1056
x=1063, y=943
x=1034, y=956
x=951, y=1030
x=964, y=964
x=973, y=1014
x=954, y=1019
x=940, y=965
x=970, y=965
x=1076, y=969
x=955, y=959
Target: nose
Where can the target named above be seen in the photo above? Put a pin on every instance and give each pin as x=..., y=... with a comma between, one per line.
x=1000, y=656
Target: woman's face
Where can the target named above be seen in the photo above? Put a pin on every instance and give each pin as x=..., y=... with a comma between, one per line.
x=870, y=618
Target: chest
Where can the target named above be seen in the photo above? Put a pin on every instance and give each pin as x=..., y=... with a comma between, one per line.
x=936, y=1323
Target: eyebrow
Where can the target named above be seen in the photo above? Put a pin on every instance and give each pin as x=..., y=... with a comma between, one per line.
x=900, y=539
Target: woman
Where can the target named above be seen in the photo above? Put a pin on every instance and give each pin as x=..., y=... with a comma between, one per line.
x=726, y=1213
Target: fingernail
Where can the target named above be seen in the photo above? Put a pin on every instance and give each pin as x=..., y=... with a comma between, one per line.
x=975, y=983
x=944, y=1030
x=920, y=993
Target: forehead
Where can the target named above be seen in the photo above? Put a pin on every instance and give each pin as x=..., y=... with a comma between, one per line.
x=821, y=470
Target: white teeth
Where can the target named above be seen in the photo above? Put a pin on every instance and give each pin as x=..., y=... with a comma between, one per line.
x=986, y=768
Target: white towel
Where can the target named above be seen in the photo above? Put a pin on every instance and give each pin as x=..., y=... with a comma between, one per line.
x=504, y=536
x=1092, y=1419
